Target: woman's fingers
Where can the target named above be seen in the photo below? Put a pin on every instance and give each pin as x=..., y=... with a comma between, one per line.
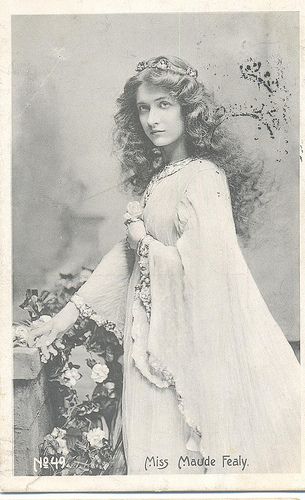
x=42, y=329
x=46, y=339
x=44, y=351
x=44, y=344
x=34, y=334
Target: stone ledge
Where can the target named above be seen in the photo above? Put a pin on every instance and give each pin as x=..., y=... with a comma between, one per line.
x=27, y=364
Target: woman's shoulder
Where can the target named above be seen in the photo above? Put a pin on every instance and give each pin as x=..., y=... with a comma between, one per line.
x=204, y=165
x=202, y=171
x=204, y=181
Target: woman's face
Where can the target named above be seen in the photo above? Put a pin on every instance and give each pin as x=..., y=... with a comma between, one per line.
x=160, y=115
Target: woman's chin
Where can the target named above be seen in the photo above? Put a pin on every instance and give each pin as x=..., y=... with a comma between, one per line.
x=160, y=141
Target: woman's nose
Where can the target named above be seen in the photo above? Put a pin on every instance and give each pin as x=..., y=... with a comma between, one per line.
x=153, y=117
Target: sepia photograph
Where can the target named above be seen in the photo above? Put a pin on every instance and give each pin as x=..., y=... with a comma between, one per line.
x=155, y=249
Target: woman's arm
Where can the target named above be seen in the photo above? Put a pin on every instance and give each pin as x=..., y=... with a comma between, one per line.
x=101, y=298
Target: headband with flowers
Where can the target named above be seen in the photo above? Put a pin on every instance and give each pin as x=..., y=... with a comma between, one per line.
x=166, y=64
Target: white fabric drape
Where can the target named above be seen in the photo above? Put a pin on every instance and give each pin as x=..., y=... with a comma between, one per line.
x=106, y=289
x=236, y=379
x=234, y=370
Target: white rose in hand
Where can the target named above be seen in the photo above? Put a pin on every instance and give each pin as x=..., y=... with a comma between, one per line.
x=134, y=212
x=134, y=209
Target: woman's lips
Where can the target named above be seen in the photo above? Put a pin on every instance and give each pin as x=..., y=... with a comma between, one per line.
x=157, y=131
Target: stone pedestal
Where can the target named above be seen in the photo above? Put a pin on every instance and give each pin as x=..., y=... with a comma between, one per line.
x=32, y=411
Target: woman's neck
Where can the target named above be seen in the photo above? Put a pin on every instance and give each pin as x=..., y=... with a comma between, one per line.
x=174, y=152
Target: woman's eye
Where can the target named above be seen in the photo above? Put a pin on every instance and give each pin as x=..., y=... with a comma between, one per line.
x=164, y=104
x=142, y=108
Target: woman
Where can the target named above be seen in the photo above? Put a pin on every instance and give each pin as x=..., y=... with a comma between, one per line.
x=208, y=374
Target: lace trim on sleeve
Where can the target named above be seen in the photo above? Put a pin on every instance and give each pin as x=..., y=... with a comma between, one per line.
x=142, y=289
x=87, y=312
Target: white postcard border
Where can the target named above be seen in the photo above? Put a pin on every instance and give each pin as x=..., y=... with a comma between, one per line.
x=210, y=482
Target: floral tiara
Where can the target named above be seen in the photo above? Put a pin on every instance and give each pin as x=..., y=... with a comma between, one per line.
x=166, y=64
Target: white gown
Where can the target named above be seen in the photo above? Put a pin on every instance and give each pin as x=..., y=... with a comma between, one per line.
x=207, y=370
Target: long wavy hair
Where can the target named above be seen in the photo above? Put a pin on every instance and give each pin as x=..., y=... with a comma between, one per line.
x=206, y=138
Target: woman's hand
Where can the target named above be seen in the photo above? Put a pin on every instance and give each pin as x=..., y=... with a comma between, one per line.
x=44, y=335
x=135, y=232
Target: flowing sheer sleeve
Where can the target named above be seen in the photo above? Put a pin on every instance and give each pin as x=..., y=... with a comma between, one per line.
x=103, y=296
x=212, y=336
